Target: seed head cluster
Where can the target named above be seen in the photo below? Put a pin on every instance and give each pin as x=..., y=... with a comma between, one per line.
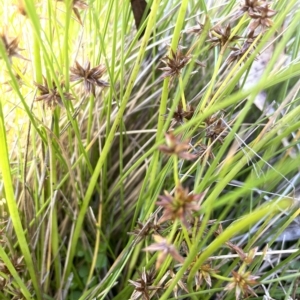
x=91, y=77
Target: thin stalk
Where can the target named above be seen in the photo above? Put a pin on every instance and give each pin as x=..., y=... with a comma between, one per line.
x=182, y=94
x=54, y=236
x=66, y=42
x=97, y=245
x=175, y=170
x=165, y=91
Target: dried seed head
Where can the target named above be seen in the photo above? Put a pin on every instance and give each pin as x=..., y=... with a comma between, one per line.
x=238, y=53
x=180, y=286
x=201, y=150
x=179, y=115
x=204, y=275
x=176, y=147
x=247, y=258
x=197, y=30
x=174, y=63
x=241, y=283
x=90, y=76
x=220, y=36
x=143, y=285
x=165, y=249
x=180, y=206
x=251, y=6
x=51, y=95
x=18, y=264
x=215, y=128
x=142, y=230
x=261, y=17
x=78, y=4
x=21, y=8
x=11, y=46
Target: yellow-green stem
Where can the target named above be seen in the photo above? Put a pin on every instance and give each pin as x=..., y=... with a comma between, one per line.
x=223, y=278
x=165, y=91
x=173, y=231
x=175, y=170
x=186, y=236
x=182, y=94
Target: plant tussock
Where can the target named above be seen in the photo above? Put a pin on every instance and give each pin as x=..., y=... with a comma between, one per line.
x=177, y=178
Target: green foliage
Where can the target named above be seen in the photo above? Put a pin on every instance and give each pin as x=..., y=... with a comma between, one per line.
x=105, y=129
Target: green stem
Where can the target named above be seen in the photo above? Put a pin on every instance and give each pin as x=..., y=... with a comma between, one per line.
x=54, y=236
x=186, y=236
x=182, y=94
x=175, y=170
x=205, y=100
x=165, y=91
x=223, y=278
x=66, y=42
x=173, y=231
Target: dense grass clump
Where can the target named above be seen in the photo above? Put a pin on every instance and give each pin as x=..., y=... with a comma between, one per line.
x=149, y=150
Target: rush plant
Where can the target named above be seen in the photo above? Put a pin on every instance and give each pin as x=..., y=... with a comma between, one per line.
x=149, y=149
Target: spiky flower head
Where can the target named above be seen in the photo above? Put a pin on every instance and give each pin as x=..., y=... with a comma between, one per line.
x=174, y=62
x=261, y=17
x=177, y=147
x=90, y=76
x=11, y=46
x=165, y=248
x=180, y=206
x=143, y=285
x=216, y=128
x=241, y=283
x=142, y=230
x=220, y=36
x=51, y=95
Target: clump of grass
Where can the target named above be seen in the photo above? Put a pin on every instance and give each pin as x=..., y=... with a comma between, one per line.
x=172, y=172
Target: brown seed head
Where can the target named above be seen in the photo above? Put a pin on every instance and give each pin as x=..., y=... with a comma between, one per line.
x=180, y=206
x=143, y=285
x=11, y=46
x=215, y=128
x=180, y=286
x=261, y=17
x=165, y=249
x=174, y=63
x=197, y=30
x=238, y=53
x=90, y=76
x=251, y=6
x=176, y=147
x=204, y=275
x=179, y=115
x=142, y=230
x=242, y=282
x=220, y=36
x=51, y=95
x=21, y=8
